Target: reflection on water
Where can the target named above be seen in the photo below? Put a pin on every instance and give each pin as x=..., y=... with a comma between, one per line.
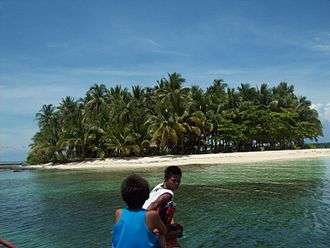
x=282, y=204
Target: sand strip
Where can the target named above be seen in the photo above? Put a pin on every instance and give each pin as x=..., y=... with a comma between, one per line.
x=200, y=159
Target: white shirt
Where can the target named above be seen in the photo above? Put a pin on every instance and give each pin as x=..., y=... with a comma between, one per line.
x=155, y=193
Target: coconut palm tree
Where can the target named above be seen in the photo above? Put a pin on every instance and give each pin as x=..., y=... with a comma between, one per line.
x=216, y=95
x=264, y=95
x=199, y=100
x=48, y=137
x=171, y=94
x=45, y=116
x=165, y=130
x=119, y=99
x=171, y=119
x=308, y=121
x=123, y=142
x=96, y=106
x=247, y=93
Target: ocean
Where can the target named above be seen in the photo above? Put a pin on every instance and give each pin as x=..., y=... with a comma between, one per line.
x=271, y=204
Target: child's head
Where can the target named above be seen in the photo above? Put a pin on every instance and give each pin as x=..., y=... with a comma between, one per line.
x=172, y=177
x=134, y=191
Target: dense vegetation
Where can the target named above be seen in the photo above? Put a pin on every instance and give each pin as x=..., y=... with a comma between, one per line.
x=317, y=145
x=171, y=119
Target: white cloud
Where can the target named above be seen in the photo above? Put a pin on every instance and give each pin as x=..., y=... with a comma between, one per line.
x=149, y=45
x=57, y=45
x=324, y=115
x=322, y=47
x=15, y=140
x=30, y=91
x=28, y=99
x=226, y=72
x=324, y=111
x=327, y=113
x=109, y=72
x=168, y=52
x=321, y=43
x=147, y=42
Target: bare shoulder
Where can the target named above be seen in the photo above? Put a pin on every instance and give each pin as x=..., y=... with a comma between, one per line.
x=117, y=215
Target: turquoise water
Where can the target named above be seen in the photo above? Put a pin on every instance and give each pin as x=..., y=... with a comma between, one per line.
x=276, y=204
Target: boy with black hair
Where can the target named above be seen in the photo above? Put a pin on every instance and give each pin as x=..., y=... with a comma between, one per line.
x=133, y=225
x=160, y=199
x=164, y=192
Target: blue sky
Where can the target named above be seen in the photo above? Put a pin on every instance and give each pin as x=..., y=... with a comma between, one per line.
x=51, y=49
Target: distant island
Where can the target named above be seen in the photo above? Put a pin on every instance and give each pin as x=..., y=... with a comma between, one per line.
x=318, y=145
x=169, y=118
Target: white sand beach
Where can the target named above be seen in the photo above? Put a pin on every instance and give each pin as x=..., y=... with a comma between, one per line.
x=199, y=159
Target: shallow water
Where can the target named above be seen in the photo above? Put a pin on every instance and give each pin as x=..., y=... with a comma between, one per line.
x=273, y=204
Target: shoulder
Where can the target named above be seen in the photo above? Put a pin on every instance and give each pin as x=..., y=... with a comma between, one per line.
x=159, y=189
x=117, y=215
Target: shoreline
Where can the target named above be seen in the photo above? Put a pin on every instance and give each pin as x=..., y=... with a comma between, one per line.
x=183, y=160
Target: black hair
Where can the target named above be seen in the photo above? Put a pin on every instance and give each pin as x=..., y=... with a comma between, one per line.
x=134, y=191
x=172, y=171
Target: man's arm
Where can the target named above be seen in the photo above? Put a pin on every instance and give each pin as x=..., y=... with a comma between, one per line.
x=154, y=222
x=160, y=201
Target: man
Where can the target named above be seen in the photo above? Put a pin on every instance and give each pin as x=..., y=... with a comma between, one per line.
x=160, y=199
x=163, y=193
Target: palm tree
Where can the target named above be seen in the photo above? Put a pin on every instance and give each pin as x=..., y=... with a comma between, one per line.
x=165, y=130
x=119, y=99
x=138, y=112
x=171, y=119
x=45, y=116
x=171, y=93
x=199, y=128
x=264, y=95
x=247, y=93
x=284, y=95
x=123, y=142
x=199, y=100
x=216, y=95
x=49, y=134
x=308, y=121
x=96, y=105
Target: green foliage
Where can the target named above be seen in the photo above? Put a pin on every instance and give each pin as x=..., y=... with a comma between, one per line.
x=171, y=119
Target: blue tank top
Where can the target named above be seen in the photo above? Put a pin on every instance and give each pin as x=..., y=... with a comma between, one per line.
x=131, y=231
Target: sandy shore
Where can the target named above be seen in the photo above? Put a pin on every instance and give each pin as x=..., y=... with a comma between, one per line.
x=200, y=159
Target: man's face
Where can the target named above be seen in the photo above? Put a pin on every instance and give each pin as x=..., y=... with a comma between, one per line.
x=173, y=182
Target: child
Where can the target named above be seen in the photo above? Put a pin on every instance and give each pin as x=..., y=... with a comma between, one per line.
x=160, y=199
x=134, y=225
x=163, y=193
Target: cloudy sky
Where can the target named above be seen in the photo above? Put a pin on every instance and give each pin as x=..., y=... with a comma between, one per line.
x=53, y=48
